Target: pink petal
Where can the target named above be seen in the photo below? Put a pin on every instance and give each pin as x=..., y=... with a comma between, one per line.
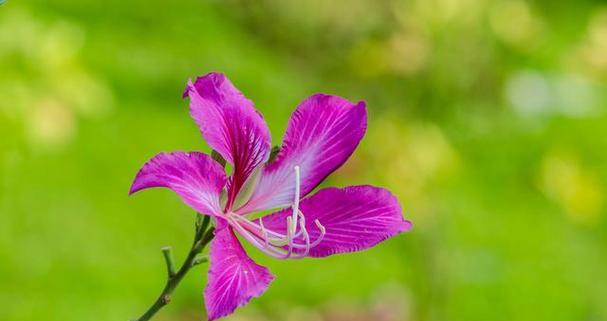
x=230, y=124
x=195, y=177
x=322, y=133
x=355, y=218
x=234, y=279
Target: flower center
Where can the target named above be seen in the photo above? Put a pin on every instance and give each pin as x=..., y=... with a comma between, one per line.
x=295, y=243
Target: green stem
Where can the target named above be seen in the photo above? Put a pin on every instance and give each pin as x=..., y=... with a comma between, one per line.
x=201, y=239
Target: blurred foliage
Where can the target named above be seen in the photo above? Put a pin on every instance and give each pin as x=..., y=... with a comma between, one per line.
x=487, y=119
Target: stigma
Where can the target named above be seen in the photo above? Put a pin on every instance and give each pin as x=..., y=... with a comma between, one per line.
x=295, y=242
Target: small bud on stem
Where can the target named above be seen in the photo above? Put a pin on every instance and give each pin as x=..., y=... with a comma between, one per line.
x=168, y=259
x=202, y=237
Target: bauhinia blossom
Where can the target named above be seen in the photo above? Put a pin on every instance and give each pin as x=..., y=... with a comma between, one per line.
x=322, y=133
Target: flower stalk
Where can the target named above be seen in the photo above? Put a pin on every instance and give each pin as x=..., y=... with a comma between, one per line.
x=203, y=235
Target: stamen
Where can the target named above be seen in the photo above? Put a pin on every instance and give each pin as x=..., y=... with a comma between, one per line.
x=306, y=237
x=264, y=234
x=289, y=236
x=323, y=231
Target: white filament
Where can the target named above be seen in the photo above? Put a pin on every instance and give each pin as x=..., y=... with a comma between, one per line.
x=296, y=198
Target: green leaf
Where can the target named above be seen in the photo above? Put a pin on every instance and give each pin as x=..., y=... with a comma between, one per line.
x=215, y=155
x=274, y=153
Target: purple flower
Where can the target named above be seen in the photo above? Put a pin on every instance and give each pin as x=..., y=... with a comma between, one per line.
x=322, y=133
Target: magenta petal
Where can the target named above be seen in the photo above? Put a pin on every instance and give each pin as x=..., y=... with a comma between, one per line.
x=355, y=218
x=322, y=133
x=230, y=124
x=195, y=177
x=234, y=279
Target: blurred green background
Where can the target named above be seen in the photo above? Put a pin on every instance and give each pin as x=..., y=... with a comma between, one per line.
x=487, y=118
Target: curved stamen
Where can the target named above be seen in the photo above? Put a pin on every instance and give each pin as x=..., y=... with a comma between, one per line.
x=306, y=237
x=264, y=234
x=290, y=237
x=323, y=231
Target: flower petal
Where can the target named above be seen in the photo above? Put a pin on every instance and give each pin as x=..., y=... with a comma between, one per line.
x=230, y=124
x=234, y=279
x=195, y=177
x=355, y=218
x=322, y=133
